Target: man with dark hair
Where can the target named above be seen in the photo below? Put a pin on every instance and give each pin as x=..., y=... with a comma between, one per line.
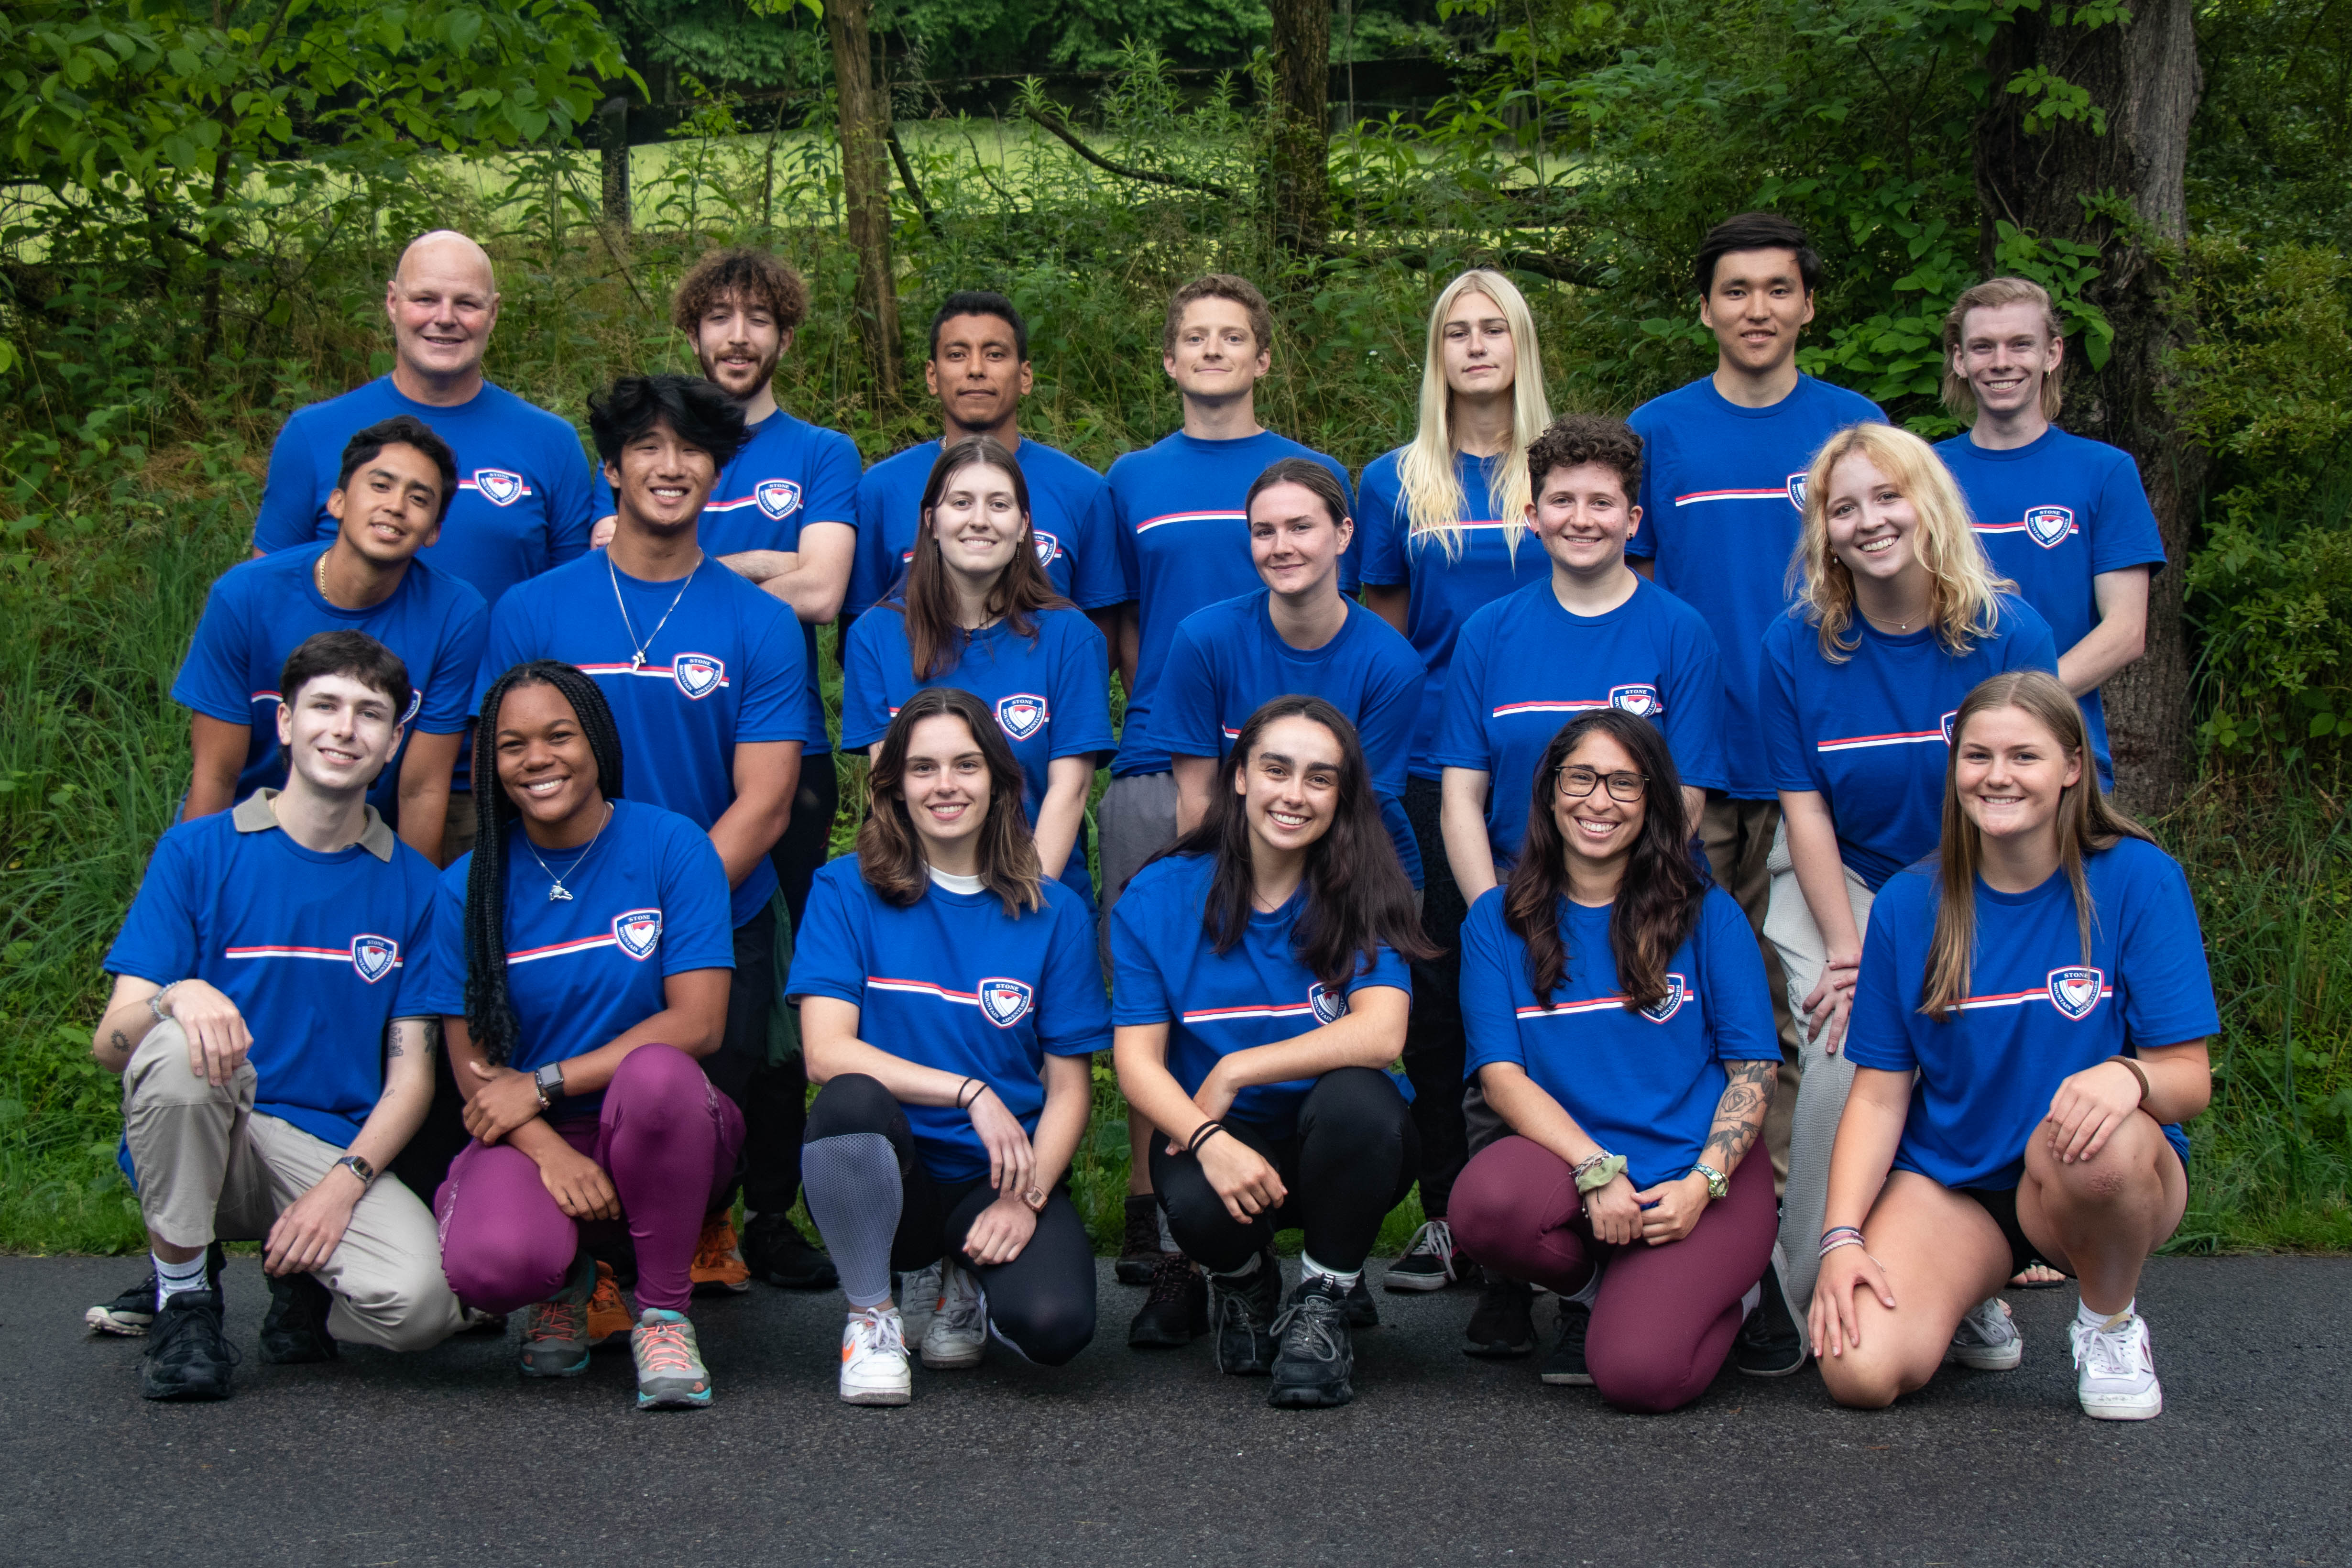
x=1723, y=497
x=392, y=491
x=270, y=1067
x=708, y=678
x=980, y=372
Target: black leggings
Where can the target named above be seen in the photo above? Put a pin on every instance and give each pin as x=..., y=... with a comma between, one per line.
x=1043, y=1303
x=1433, y=1039
x=1351, y=1160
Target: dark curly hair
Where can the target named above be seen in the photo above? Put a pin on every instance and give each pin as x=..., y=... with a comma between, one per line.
x=700, y=413
x=1574, y=439
x=752, y=274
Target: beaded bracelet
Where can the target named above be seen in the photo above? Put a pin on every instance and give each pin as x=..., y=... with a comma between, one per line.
x=1841, y=1235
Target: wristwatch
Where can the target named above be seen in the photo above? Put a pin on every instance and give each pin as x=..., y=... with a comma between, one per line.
x=1718, y=1183
x=360, y=1168
x=549, y=1079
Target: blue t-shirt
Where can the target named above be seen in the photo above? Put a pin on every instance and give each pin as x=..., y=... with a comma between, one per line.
x=1069, y=513
x=316, y=951
x=2037, y=1011
x=1524, y=668
x=1491, y=557
x=726, y=669
x=952, y=982
x=260, y=611
x=1047, y=692
x=523, y=482
x=787, y=475
x=1645, y=1084
x=1184, y=544
x=1874, y=734
x=1722, y=506
x=583, y=971
x=1164, y=971
x=1227, y=661
x=2052, y=515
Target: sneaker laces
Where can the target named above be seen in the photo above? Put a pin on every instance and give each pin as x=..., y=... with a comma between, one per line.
x=1987, y=1323
x=880, y=1330
x=1306, y=1326
x=561, y=1321
x=718, y=1241
x=961, y=1303
x=1171, y=1277
x=171, y=1327
x=1434, y=1239
x=2109, y=1352
x=664, y=1349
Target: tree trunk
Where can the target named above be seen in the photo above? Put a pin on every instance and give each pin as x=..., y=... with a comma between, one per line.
x=1302, y=127
x=866, y=189
x=2143, y=75
x=612, y=151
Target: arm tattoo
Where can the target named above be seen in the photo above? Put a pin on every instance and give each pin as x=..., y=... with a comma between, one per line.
x=427, y=1030
x=120, y=1043
x=1740, y=1114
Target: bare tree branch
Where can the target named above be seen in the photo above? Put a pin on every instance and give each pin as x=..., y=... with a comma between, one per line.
x=1181, y=182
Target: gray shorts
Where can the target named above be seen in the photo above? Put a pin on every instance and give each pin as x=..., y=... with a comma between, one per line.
x=1136, y=819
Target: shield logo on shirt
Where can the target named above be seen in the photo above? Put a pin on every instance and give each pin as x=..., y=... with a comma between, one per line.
x=1642, y=702
x=698, y=674
x=497, y=486
x=2076, y=991
x=1329, y=1006
x=1797, y=491
x=2049, y=525
x=1667, y=1006
x=1020, y=715
x=374, y=956
x=1047, y=548
x=778, y=498
x=1005, y=1002
x=638, y=932
x=1949, y=719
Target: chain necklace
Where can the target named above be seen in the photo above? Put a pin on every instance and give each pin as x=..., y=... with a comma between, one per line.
x=638, y=658
x=558, y=893
x=318, y=572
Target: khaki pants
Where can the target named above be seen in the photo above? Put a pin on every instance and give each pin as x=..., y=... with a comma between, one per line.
x=1820, y=1095
x=1738, y=837
x=211, y=1166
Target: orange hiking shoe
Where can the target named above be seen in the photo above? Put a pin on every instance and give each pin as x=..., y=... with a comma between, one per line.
x=607, y=1315
x=719, y=1259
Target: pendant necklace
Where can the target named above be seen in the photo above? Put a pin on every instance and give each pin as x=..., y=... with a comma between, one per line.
x=638, y=658
x=558, y=893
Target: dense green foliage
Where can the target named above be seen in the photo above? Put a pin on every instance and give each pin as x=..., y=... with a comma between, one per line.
x=146, y=374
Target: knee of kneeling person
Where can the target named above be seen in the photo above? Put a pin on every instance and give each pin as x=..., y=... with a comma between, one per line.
x=1049, y=1333
x=416, y=1313
x=1640, y=1385
x=1363, y=1101
x=853, y=1103
x=159, y=1072
x=658, y=1074
x=1862, y=1379
x=2121, y=1170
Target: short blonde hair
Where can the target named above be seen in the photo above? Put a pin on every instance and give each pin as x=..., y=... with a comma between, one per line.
x=1959, y=397
x=1965, y=606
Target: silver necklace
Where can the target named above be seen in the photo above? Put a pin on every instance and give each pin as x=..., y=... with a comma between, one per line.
x=558, y=893
x=637, y=658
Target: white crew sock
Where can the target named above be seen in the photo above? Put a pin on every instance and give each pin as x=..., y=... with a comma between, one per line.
x=178, y=1279
x=2093, y=1320
x=1308, y=1269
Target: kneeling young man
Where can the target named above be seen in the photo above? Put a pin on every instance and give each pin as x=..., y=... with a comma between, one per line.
x=260, y=968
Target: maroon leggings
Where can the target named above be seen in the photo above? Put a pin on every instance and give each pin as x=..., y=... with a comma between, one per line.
x=1666, y=1315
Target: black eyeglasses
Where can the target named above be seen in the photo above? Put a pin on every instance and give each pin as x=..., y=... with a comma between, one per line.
x=1578, y=782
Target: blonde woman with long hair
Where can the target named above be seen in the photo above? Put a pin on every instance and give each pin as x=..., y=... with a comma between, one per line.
x=1443, y=533
x=1898, y=618
x=2030, y=1031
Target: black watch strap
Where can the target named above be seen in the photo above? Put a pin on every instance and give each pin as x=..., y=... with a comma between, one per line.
x=549, y=1079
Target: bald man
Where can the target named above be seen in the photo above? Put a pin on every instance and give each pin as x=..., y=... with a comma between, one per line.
x=522, y=477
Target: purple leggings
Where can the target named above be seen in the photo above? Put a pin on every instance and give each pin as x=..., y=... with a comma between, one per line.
x=667, y=1139
x=1666, y=1316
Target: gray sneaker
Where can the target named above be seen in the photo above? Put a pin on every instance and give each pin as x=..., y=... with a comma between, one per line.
x=555, y=1332
x=918, y=1297
x=670, y=1374
x=1987, y=1339
x=957, y=1332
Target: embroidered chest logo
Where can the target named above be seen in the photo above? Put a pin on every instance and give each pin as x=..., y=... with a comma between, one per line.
x=1004, y=1002
x=497, y=486
x=1948, y=719
x=374, y=956
x=1047, y=548
x=2048, y=526
x=1667, y=1006
x=1329, y=1006
x=698, y=674
x=2076, y=991
x=1797, y=491
x=778, y=498
x=637, y=932
x=1642, y=702
x=1020, y=715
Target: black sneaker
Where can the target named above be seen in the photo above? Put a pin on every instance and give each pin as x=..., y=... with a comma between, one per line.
x=1504, y=1326
x=775, y=1250
x=294, y=1331
x=1770, y=1344
x=1315, y=1358
x=129, y=1313
x=1177, y=1312
x=1565, y=1365
x=1138, y=1246
x=1363, y=1312
x=1246, y=1309
x=1430, y=1260
x=187, y=1356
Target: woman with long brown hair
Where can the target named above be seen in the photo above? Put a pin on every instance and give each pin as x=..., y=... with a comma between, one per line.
x=949, y=999
x=1619, y=1023
x=2029, y=1032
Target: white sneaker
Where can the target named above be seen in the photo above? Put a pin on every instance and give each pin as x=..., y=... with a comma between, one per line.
x=1988, y=1339
x=919, y=1293
x=958, y=1331
x=874, y=1359
x=2115, y=1368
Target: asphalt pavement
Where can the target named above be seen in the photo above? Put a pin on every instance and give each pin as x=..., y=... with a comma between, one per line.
x=1131, y=1458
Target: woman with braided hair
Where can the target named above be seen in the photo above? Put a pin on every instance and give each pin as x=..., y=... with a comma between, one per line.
x=580, y=956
